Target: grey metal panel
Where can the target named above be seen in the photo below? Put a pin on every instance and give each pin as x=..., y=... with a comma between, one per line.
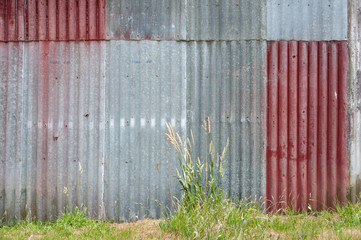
x=354, y=138
x=226, y=81
x=186, y=20
x=146, y=19
x=145, y=88
x=52, y=118
x=12, y=170
x=306, y=20
x=226, y=19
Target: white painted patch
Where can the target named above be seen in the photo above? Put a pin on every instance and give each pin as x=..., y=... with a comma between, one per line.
x=335, y=94
x=111, y=122
x=173, y=122
x=152, y=122
x=132, y=122
x=142, y=122
x=122, y=122
x=183, y=122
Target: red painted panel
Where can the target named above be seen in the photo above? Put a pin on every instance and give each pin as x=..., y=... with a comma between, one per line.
x=34, y=20
x=306, y=124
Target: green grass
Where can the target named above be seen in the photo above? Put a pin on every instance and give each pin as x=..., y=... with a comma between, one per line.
x=247, y=220
x=226, y=220
x=70, y=225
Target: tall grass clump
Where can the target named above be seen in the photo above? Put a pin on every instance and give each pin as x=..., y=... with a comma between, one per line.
x=204, y=210
x=200, y=181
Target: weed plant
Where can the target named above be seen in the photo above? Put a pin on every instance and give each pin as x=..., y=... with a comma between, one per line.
x=200, y=182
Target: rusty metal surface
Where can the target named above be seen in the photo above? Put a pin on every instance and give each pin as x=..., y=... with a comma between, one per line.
x=307, y=20
x=29, y=20
x=306, y=124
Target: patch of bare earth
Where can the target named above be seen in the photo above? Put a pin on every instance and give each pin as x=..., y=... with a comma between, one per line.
x=346, y=232
x=145, y=229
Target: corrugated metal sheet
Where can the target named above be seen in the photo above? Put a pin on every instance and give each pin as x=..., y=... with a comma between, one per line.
x=145, y=88
x=355, y=98
x=27, y=20
x=226, y=20
x=52, y=120
x=306, y=20
x=146, y=19
x=186, y=20
x=226, y=81
x=306, y=124
x=104, y=105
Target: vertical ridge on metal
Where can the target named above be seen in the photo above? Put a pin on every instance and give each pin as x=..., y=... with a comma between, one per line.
x=306, y=124
x=34, y=20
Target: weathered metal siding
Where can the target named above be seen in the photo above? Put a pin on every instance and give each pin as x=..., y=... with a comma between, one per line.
x=28, y=20
x=306, y=124
x=146, y=19
x=226, y=20
x=145, y=88
x=307, y=20
x=354, y=43
x=186, y=20
x=226, y=81
x=52, y=118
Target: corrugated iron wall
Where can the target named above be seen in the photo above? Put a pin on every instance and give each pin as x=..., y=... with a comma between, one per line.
x=307, y=20
x=307, y=148
x=29, y=20
x=226, y=20
x=146, y=19
x=226, y=82
x=90, y=115
x=52, y=119
x=145, y=88
x=306, y=124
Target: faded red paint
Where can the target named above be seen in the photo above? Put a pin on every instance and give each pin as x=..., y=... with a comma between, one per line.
x=52, y=20
x=306, y=124
x=127, y=35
